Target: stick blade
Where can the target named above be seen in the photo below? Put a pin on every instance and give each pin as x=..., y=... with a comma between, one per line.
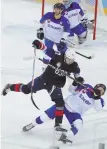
x=54, y=147
x=91, y=57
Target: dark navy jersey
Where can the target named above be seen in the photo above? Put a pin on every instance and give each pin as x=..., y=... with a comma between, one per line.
x=56, y=76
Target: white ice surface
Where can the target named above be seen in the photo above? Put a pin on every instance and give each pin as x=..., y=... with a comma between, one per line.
x=19, y=23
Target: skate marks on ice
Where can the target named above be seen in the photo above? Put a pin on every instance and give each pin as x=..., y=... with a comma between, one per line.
x=90, y=44
x=43, y=138
x=36, y=139
x=16, y=71
x=20, y=28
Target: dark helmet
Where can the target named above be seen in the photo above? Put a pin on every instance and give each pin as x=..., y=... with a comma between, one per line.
x=59, y=5
x=100, y=85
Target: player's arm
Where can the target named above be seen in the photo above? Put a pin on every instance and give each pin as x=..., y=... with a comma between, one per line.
x=75, y=85
x=45, y=17
x=83, y=18
x=76, y=69
x=74, y=88
x=43, y=57
x=81, y=11
x=40, y=32
x=98, y=104
x=77, y=6
x=66, y=25
x=67, y=33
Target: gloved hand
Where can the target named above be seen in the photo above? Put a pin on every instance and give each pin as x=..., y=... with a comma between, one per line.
x=96, y=94
x=87, y=23
x=38, y=45
x=62, y=47
x=79, y=79
x=40, y=34
x=84, y=21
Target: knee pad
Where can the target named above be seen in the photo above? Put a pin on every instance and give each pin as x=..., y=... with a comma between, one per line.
x=77, y=126
x=43, y=118
x=59, y=102
x=25, y=89
x=82, y=37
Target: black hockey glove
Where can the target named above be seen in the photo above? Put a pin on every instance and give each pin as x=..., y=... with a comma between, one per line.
x=84, y=22
x=40, y=34
x=38, y=45
x=79, y=79
x=62, y=47
x=96, y=94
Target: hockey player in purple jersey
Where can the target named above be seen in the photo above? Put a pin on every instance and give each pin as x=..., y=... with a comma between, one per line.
x=54, y=27
x=78, y=21
x=76, y=104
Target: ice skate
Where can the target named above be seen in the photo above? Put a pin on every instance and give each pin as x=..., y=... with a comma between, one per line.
x=63, y=138
x=28, y=127
x=6, y=89
x=58, y=128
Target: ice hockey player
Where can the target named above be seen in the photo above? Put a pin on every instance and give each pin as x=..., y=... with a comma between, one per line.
x=52, y=79
x=77, y=103
x=79, y=23
x=54, y=27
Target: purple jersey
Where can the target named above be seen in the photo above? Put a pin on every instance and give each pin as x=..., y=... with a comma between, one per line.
x=73, y=14
x=54, y=28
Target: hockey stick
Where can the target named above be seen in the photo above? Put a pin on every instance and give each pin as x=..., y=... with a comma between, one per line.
x=88, y=57
x=64, y=73
x=32, y=84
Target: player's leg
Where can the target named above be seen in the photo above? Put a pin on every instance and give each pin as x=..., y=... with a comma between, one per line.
x=83, y=37
x=48, y=43
x=76, y=124
x=49, y=114
x=71, y=42
x=24, y=88
x=81, y=33
x=57, y=97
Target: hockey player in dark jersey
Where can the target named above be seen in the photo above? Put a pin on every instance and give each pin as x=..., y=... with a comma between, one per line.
x=52, y=79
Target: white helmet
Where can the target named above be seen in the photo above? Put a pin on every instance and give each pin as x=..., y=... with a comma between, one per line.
x=69, y=56
x=67, y=3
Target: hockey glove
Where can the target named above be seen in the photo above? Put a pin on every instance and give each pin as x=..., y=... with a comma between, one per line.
x=87, y=23
x=62, y=47
x=40, y=34
x=84, y=22
x=79, y=79
x=96, y=94
x=38, y=45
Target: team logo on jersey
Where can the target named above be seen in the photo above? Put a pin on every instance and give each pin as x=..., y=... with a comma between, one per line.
x=84, y=100
x=58, y=64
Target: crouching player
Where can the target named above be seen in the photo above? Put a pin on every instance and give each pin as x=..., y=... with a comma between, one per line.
x=79, y=23
x=76, y=104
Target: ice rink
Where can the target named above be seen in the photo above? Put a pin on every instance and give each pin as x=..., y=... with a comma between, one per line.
x=19, y=24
